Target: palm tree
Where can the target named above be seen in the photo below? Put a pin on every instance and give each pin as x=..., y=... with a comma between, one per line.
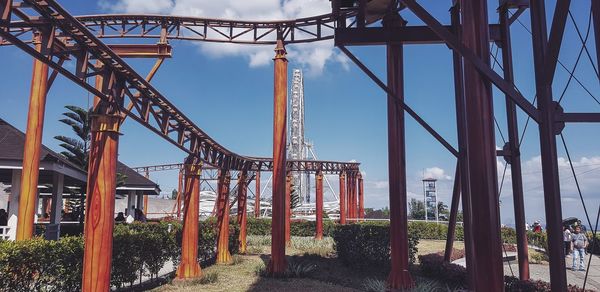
x=76, y=150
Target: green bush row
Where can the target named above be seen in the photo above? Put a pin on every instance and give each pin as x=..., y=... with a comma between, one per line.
x=262, y=226
x=368, y=243
x=41, y=265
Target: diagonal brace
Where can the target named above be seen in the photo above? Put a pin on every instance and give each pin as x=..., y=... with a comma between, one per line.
x=556, y=35
x=455, y=44
x=404, y=106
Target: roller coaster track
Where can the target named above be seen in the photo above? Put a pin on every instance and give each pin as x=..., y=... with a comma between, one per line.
x=64, y=37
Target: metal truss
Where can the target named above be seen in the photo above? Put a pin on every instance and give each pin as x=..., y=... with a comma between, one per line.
x=299, y=30
x=64, y=37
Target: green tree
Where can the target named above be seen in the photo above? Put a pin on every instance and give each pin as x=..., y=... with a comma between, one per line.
x=416, y=209
x=173, y=194
x=77, y=149
x=443, y=209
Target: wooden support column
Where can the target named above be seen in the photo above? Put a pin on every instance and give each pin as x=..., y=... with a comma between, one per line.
x=131, y=196
x=485, y=221
x=278, y=266
x=349, y=211
x=33, y=145
x=223, y=255
x=189, y=267
x=242, y=215
x=361, y=197
x=399, y=277
x=146, y=197
x=288, y=208
x=100, y=203
x=343, y=198
x=257, y=195
x=319, y=205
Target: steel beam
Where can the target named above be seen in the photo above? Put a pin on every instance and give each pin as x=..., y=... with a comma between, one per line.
x=188, y=267
x=514, y=147
x=142, y=50
x=470, y=56
x=596, y=19
x=453, y=215
x=485, y=211
x=223, y=254
x=319, y=206
x=463, y=145
x=408, y=35
x=278, y=266
x=550, y=174
x=561, y=11
x=399, y=277
x=33, y=145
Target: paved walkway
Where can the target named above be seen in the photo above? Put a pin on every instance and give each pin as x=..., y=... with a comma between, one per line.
x=542, y=272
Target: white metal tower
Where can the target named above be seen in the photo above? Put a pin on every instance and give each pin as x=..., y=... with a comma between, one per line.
x=297, y=148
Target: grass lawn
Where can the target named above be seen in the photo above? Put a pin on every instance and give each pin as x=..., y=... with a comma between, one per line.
x=323, y=270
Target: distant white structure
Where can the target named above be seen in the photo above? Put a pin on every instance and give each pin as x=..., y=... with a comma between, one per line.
x=430, y=199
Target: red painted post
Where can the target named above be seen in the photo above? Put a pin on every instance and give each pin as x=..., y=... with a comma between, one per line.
x=485, y=223
x=257, y=195
x=550, y=174
x=223, y=255
x=242, y=214
x=399, y=277
x=463, y=145
x=33, y=146
x=513, y=143
x=343, y=198
x=288, y=208
x=350, y=199
x=361, y=198
x=189, y=267
x=453, y=214
x=277, y=265
x=319, y=205
x=100, y=202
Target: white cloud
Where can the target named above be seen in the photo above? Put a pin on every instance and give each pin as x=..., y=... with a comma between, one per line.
x=436, y=173
x=313, y=57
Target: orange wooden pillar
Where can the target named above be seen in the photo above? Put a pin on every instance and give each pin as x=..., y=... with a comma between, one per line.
x=351, y=203
x=242, y=214
x=189, y=267
x=257, y=195
x=319, y=205
x=361, y=197
x=343, y=198
x=277, y=265
x=33, y=146
x=288, y=208
x=223, y=255
x=100, y=202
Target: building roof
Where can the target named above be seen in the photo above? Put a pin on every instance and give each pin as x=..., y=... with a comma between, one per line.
x=12, y=143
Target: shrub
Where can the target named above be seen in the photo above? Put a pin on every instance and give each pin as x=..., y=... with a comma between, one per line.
x=374, y=285
x=298, y=268
x=368, y=244
x=262, y=226
x=209, y=278
x=433, y=265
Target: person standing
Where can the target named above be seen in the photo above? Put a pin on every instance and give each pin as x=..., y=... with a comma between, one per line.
x=579, y=243
x=567, y=240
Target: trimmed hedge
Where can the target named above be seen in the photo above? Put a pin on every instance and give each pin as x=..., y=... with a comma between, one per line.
x=368, y=244
x=41, y=265
x=262, y=226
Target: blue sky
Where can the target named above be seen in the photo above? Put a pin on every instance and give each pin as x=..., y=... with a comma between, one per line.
x=228, y=91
